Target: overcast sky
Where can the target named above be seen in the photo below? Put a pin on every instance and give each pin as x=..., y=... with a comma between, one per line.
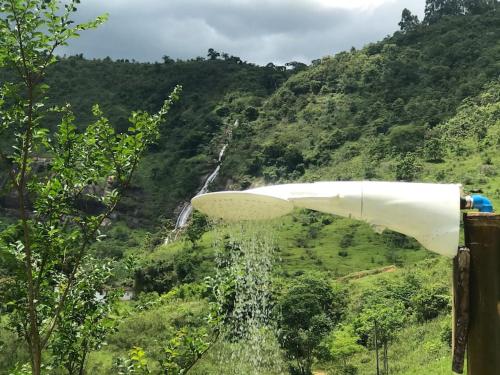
x=258, y=31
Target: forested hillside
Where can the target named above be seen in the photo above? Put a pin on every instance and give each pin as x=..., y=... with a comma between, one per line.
x=420, y=105
x=191, y=137
x=337, y=119
x=356, y=114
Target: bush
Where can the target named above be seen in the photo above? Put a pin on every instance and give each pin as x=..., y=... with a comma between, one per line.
x=346, y=240
x=446, y=333
x=408, y=168
x=406, y=138
x=431, y=301
x=251, y=113
x=398, y=240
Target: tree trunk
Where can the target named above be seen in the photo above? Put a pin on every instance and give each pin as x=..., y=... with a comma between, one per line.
x=36, y=354
x=386, y=360
x=82, y=363
x=376, y=348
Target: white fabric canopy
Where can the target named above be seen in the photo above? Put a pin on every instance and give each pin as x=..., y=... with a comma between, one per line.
x=428, y=212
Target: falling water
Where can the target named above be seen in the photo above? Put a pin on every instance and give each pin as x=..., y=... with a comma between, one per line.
x=245, y=259
x=187, y=210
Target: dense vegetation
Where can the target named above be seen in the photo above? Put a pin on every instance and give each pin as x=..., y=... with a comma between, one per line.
x=214, y=91
x=420, y=105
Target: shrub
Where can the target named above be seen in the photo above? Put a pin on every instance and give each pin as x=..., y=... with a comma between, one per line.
x=429, y=302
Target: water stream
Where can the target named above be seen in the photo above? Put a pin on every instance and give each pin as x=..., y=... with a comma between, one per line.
x=187, y=210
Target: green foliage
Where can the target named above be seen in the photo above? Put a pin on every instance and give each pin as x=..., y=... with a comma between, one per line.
x=85, y=320
x=183, y=351
x=434, y=150
x=397, y=240
x=408, y=21
x=446, y=333
x=308, y=310
x=429, y=302
x=388, y=317
x=339, y=119
x=436, y=9
x=196, y=227
x=59, y=213
x=136, y=363
x=379, y=323
x=182, y=266
x=341, y=345
x=408, y=168
x=406, y=138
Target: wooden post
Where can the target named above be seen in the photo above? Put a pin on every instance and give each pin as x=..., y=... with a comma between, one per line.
x=461, y=303
x=482, y=237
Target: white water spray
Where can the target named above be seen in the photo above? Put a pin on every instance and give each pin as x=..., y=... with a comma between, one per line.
x=247, y=342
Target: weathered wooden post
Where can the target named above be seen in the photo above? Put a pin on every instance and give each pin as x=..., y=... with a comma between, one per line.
x=482, y=237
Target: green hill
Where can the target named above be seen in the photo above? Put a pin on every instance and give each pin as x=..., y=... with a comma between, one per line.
x=352, y=115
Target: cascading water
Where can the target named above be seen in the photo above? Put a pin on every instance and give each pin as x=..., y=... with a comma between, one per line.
x=242, y=289
x=187, y=210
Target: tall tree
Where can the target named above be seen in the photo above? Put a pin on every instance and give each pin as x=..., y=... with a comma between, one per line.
x=213, y=54
x=309, y=310
x=49, y=242
x=479, y=6
x=408, y=20
x=436, y=9
x=379, y=323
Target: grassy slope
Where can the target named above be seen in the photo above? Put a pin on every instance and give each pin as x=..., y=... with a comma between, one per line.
x=418, y=348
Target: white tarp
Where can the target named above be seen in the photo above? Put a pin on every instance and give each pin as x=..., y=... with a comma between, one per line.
x=428, y=212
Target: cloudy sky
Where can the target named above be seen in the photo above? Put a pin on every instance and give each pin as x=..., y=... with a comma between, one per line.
x=258, y=31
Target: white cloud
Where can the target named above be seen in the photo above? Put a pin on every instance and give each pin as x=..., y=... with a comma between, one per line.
x=354, y=4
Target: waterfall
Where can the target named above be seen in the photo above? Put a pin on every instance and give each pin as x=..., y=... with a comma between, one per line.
x=187, y=209
x=185, y=214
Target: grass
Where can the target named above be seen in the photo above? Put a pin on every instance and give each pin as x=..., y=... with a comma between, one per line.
x=419, y=348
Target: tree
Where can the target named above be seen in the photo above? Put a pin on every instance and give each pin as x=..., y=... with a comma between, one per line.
x=479, y=6
x=167, y=59
x=85, y=320
x=408, y=168
x=436, y=9
x=434, y=150
x=213, y=54
x=429, y=302
x=408, y=21
x=406, y=138
x=184, y=350
x=342, y=344
x=296, y=66
x=378, y=324
x=197, y=226
x=50, y=240
x=309, y=309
